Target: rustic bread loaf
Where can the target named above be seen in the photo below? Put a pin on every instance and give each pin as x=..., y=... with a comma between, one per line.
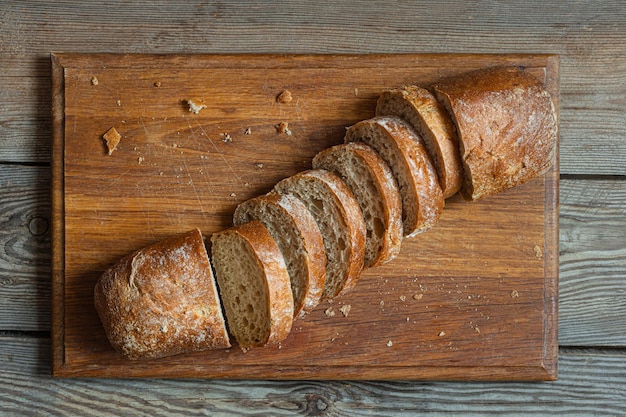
x=506, y=124
x=254, y=284
x=162, y=300
x=405, y=153
x=297, y=235
x=432, y=122
x=340, y=220
x=372, y=183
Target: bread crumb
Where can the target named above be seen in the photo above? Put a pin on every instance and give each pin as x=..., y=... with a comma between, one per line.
x=476, y=329
x=283, y=127
x=382, y=303
x=157, y=84
x=345, y=309
x=538, y=251
x=389, y=343
x=195, y=107
x=140, y=160
x=227, y=138
x=442, y=333
x=119, y=102
x=418, y=296
x=233, y=195
x=402, y=298
x=329, y=312
x=112, y=138
x=514, y=294
x=94, y=81
x=356, y=92
x=248, y=131
x=259, y=165
x=284, y=97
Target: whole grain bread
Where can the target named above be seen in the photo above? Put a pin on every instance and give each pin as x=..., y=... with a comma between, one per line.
x=507, y=127
x=339, y=217
x=405, y=153
x=429, y=118
x=371, y=181
x=299, y=238
x=162, y=300
x=253, y=283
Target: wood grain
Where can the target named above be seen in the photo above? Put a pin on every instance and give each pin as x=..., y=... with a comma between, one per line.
x=490, y=333
x=586, y=386
x=588, y=36
x=593, y=259
x=592, y=243
x=24, y=248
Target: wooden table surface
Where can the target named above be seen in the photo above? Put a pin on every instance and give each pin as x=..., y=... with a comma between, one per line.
x=589, y=37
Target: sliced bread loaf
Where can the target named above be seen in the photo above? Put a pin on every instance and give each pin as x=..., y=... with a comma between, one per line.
x=432, y=122
x=162, y=300
x=372, y=183
x=253, y=283
x=507, y=127
x=340, y=220
x=295, y=231
x=405, y=153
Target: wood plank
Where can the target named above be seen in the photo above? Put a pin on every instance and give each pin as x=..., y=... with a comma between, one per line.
x=588, y=36
x=590, y=383
x=24, y=248
x=593, y=263
x=98, y=196
x=592, y=225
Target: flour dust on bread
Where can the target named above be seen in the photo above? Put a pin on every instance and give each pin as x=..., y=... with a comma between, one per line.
x=339, y=217
x=405, y=153
x=162, y=300
x=299, y=238
x=371, y=181
x=253, y=283
x=507, y=127
x=429, y=118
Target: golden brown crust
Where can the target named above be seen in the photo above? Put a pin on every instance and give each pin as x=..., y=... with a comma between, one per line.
x=507, y=127
x=417, y=168
x=385, y=185
x=278, y=287
x=430, y=119
x=162, y=300
x=293, y=215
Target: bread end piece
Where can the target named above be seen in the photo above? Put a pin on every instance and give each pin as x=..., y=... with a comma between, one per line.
x=507, y=127
x=162, y=300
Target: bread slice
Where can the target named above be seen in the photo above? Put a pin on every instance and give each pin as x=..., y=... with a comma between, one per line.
x=372, y=183
x=162, y=300
x=299, y=238
x=405, y=153
x=507, y=127
x=254, y=284
x=432, y=122
x=340, y=220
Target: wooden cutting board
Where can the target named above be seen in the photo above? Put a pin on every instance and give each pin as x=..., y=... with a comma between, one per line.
x=474, y=298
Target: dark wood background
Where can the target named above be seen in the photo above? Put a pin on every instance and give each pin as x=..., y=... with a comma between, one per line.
x=589, y=36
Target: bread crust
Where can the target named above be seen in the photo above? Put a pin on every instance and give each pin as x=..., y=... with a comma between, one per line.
x=162, y=300
x=350, y=211
x=298, y=217
x=278, y=287
x=422, y=177
x=431, y=120
x=385, y=185
x=507, y=127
